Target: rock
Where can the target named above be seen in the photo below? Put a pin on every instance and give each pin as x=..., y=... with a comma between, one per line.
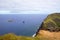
x=10, y=20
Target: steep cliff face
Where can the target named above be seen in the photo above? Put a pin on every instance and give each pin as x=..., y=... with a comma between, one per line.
x=51, y=25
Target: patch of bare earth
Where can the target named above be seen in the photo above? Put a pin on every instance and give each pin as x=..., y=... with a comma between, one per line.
x=49, y=35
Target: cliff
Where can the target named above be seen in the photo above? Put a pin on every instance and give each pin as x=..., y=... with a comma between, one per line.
x=51, y=23
x=50, y=27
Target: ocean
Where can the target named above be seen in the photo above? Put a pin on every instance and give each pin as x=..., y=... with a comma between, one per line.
x=20, y=24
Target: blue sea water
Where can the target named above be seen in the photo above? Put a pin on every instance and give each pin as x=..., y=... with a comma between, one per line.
x=20, y=24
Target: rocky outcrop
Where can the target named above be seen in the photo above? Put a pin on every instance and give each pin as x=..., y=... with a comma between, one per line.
x=51, y=24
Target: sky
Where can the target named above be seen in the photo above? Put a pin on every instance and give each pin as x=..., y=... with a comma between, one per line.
x=29, y=6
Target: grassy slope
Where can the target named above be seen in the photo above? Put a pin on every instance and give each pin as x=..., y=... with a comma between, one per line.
x=52, y=22
x=52, y=18
x=47, y=35
x=11, y=36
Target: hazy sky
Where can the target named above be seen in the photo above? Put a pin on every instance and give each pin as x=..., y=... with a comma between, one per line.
x=29, y=6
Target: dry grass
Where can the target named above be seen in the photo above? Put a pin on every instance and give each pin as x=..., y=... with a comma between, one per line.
x=49, y=35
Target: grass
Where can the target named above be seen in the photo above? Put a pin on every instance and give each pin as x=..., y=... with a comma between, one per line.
x=11, y=36
x=47, y=35
x=53, y=20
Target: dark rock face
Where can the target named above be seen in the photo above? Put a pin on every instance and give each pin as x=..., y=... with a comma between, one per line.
x=51, y=23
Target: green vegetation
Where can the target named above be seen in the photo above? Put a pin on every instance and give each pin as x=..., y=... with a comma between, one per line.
x=11, y=36
x=52, y=22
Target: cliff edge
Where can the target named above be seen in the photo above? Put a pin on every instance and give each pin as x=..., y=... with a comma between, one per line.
x=50, y=27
